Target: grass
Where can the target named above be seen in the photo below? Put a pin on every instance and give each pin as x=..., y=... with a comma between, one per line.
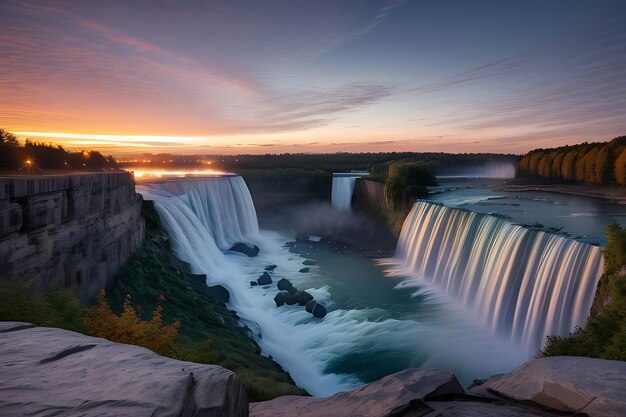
x=55, y=308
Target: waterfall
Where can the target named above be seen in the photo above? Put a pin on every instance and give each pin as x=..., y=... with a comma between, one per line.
x=523, y=283
x=222, y=204
x=343, y=188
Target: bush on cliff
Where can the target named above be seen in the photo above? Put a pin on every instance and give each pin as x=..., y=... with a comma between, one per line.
x=406, y=181
x=604, y=335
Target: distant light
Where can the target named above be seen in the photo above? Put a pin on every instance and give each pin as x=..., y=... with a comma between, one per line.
x=28, y=162
x=144, y=174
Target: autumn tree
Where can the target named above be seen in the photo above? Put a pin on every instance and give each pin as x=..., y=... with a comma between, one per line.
x=129, y=328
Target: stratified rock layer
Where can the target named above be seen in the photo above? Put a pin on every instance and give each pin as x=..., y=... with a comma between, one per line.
x=48, y=371
x=74, y=231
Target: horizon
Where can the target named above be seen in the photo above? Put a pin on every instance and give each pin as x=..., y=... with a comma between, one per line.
x=318, y=78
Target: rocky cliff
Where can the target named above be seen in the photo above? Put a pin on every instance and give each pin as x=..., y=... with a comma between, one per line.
x=74, y=231
x=369, y=195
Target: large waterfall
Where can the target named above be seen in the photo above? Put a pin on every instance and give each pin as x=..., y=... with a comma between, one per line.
x=525, y=284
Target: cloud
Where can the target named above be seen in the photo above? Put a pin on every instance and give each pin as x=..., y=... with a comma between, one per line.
x=490, y=70
x=306, y=109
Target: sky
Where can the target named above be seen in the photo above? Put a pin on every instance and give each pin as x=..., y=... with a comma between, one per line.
x=231, y=77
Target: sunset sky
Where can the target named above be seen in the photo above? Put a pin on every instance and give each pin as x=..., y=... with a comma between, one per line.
x=313, y=76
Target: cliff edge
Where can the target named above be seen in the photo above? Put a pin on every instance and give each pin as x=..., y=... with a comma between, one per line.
x=73, y=231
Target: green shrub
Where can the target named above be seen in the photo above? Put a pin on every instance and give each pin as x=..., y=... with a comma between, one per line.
x=55, y=308
x=407, y=180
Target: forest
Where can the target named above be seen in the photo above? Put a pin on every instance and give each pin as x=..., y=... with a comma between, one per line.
x=598, y=163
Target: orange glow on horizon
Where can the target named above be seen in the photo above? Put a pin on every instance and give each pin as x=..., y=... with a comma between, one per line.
x=145, y=174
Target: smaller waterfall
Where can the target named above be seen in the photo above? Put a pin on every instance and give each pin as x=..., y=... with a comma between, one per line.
x=343, y=188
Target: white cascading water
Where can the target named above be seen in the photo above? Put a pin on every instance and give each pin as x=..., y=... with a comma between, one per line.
x=203, y=218
x=343, y=188
x=224, y=208
x=525, y=284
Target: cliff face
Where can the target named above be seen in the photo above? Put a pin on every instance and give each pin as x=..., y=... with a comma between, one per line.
x=75, y=231
x=369, y=195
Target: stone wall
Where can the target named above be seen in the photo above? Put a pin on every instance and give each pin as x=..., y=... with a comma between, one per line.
x=74, y=231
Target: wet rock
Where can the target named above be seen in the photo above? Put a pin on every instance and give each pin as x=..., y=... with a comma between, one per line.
x=279, y=299
x=309, y=306
x=264, y=279
x=319, y=311
x=284, y=284
x=291, y=299
x=250, y=250
x=48, y=371
x=253, y=283
x=305, y=270
x=270, y=267
x=219, y=293
x=303, y=297
x=309, y=262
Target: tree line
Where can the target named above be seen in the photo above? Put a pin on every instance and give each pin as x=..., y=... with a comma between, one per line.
x=598, y=162
x=32, y=156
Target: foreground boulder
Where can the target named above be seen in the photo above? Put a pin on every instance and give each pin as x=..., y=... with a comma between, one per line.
x=393, y=395
x=593, y=387
x=48, y=371
x=250, y=250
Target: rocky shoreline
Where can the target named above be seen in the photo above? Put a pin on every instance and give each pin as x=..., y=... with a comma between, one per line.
x=49, y=371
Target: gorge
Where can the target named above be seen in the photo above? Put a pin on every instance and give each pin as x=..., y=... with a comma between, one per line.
x=464, y=284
